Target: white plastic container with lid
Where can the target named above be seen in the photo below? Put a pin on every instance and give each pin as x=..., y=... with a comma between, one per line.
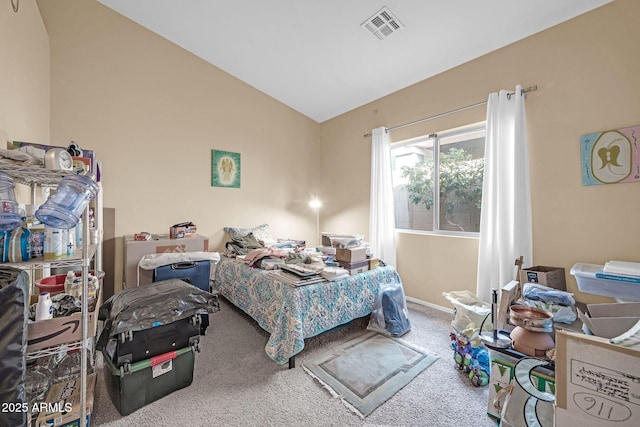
x=588, y=282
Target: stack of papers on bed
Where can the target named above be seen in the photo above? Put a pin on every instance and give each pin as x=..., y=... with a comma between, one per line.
x=295, y=275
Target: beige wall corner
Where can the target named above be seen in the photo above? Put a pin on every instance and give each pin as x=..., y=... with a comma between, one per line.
x=586, y=73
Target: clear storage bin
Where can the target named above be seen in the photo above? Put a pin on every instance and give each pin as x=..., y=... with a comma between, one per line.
x=585, y=275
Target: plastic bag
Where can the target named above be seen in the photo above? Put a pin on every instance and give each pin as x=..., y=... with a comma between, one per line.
x=538, y=292
x=390, y=314
x=16, y=245
x=14, y=294
x=159, y=303
x=468, y=311
x=561, y=313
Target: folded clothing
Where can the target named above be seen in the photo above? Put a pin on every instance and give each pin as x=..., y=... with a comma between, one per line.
x=257, y=254
x=538, y=292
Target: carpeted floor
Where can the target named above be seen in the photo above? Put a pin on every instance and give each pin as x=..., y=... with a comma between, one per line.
x=236, y=384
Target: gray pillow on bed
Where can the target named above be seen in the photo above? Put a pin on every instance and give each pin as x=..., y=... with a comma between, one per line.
x=262, y=232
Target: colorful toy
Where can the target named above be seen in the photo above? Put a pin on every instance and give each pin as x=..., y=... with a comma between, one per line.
x=471, y=357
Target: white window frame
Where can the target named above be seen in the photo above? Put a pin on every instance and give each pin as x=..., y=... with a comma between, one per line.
x=461, y=133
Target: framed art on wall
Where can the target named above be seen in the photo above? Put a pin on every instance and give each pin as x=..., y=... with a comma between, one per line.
x=611, y=156
x=225, y=169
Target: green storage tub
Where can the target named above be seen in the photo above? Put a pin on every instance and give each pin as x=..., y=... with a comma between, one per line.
x=133, y=386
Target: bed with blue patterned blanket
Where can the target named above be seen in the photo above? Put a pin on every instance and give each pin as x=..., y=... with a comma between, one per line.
x=291, y=314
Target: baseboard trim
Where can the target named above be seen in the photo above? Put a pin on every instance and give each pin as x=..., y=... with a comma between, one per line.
x=430, y=305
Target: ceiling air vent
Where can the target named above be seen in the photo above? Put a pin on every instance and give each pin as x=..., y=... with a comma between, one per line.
x=382, y=24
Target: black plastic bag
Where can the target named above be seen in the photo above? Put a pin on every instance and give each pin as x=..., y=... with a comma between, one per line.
x=14, y=294
x=158, y=303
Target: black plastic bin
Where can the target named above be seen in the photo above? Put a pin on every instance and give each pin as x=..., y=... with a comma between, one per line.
x=133, y=386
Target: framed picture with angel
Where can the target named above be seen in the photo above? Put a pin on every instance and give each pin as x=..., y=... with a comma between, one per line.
x=225, y=169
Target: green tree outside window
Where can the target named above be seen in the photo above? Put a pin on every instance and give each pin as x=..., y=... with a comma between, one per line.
x=460, y=183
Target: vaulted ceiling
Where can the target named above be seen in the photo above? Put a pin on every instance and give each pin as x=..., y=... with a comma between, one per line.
x=326, y=57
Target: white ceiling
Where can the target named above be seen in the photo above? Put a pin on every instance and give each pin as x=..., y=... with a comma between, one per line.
x=314, y=56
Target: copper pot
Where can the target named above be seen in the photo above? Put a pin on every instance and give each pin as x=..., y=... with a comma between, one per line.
x=531, y=318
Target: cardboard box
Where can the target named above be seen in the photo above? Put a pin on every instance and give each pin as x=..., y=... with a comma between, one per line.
x=562, y=417
x=351, y=254
x=610, y=320
x=62, y=405
x=59, y=330
x=341, y=240
x=548, y=276
x=355, y=267
x=182, y=231
x=158, y=244
x=596, y=381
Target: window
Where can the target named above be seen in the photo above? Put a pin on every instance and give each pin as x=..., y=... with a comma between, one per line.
x=450, y=164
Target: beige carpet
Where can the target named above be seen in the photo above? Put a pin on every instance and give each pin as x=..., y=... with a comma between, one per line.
x=236, y=384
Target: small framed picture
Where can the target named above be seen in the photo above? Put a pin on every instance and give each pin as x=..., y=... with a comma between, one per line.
x=225, y=169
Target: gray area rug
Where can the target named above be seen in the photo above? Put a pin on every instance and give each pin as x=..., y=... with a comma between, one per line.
x=236, y=384
x=366, y=371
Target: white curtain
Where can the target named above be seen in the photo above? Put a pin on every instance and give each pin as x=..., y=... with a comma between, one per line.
x=382, y=239
x=505, y=223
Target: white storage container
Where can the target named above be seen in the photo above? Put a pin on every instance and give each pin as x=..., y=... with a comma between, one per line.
x=588, y=282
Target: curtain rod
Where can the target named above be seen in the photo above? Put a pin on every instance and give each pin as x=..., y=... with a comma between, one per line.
x=477, y=104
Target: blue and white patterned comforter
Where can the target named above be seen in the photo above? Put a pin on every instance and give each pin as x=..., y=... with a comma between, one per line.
x=291, y=314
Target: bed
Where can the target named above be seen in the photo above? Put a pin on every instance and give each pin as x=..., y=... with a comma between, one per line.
x=292, y=313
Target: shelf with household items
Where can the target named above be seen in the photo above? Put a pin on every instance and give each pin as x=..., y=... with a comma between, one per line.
x=68, y=261
x=79, y=339
x=33, y=175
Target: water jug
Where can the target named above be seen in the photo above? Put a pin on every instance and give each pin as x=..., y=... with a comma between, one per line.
x=9, y=215
x=64, y=207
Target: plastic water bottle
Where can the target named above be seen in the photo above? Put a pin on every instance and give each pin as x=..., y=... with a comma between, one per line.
x=68, y=282
x=70, y=241
x=76, y=287
x=9, y=218
x=79, y=234
x=44, y=308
